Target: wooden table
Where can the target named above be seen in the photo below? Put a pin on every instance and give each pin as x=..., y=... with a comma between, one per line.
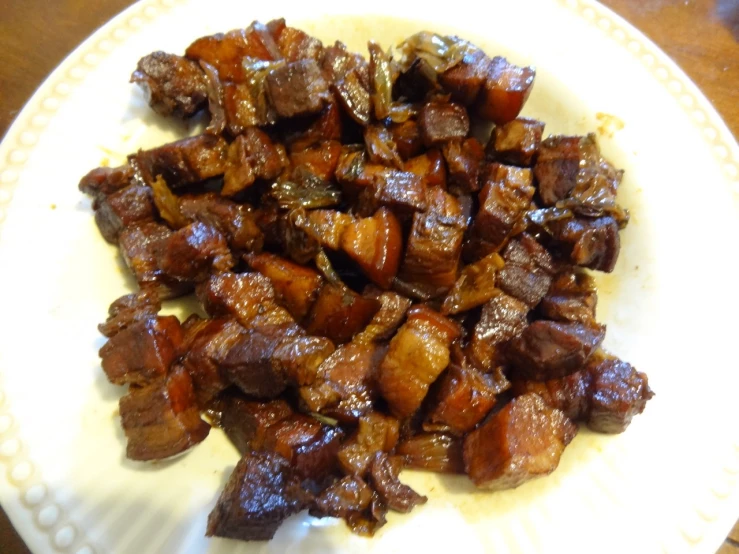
x=702, y=36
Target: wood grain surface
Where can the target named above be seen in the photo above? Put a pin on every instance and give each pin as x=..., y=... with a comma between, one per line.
x=702, y=36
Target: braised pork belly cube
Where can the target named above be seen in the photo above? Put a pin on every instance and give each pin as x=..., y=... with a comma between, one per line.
x=557, y=166
x=183, y=162
x=129, y=309
x=193, y=252
x=321, y=159
x=261, y=493
x=401, y=191
x=465, y=79
x=393, y=308
x=295, y=44
x=172, y=85
x=354, y=96
x=343, y=498
x=206, y=347
x=298, y=358
x=417, y=355
x=591, y=243
x=142, y=352
x=416, y=82
x=407, y=138
x=516, y=142
x=338, y=62
x=326, y=126
x=343, y=386
x=435, y=452
x=339, y=313
x=475, y=285
x=381, y=147
x=247, y=422
x=522, y=441
x=236, y=221
x=162, y=418
x=142, y=247
x=528, y=270
x=463, y=159
x=383, y=476
x=430, y=167
x=572, y=296
x=326, y=227
x=122, y=208
x=503, y=318
x=569, y=394
x=103, y=181
x=504, y=200
x=297, y=88
x=376, y=244
x=375, y=433
x=226, y=51
x=550, y=349
x=463, y=399
x=434, y=245
x=506, y=89
x=440, y=123
x=251, y=156
x=246, y=105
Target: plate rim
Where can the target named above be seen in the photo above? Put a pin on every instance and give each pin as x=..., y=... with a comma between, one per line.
x=32, y=515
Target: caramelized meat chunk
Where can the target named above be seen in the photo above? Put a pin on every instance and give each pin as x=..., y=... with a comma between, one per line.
x=122, y=208
x=528, y=270
x=251, y=156
x=320, y=159
x=417, y=355
x=557, y=167
x=434, y=246
x=298, y=358
x=384, y=479
x=465, y=79
x=571, y=297
x=129, y=309
x=522, y=441
x=247, y=422
x=183, y=162
x=261, y=493
x=440, y=123
x=463, y=159
x=235, y=221
x=339, y=313
x=142, y=352
x=354, y=97
x=503, y=318
x=385, y=322
x=516, y=142
x=475, y=286
x=297, y=88
x=569, y=394
x=162, y=419
x=506, y=89
x=432, y=452
x=103, y=181
x=376, y=244
x=381, y=146
x=246, y=104
x=347, y=496
x=591, y=243
x=548, y=349
x=407, y=138
x=401, y=191
x=326, y=227
x=375, y=433
x=193, y=252
x=173, y=85
x=295, y=44
x=464, y=398
x=430, y=167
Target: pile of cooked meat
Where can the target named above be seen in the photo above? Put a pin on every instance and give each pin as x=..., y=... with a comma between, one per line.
x=386, y=282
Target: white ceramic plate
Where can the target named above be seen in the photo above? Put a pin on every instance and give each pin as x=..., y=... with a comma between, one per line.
x=667, y=485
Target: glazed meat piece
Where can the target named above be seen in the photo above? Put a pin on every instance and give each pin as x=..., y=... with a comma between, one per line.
x=193, y=252
x=516, y=142
x=591, y=243
x=390, y=316
x=142, y=352
x=339, y=313
x=571, y=297
x=401, y=191
x=381, y=147
x=172, y=85
x=354, y=97
x=434, y=245
x=162, y=418
x=475, y=286
x=320, y=159
x=465, y=79
x=502, y=319
x=347, y=496
x=407, y=138
x=298, y=358
x=528, y=270
x=326, y=227
x=375, y=433
x=129, y=309
x=103, y=181
x=303, y=189
x=205, y=349
x=235, y=221
x=569, y=394
x=417, y=355
x=122, y=208
x=295, y=44
x=376, y=244
x=297, y=88
x=248, y=422
x=549, y=349
x=296, y=286
x=522, y=441
x=326, y=126
x=432, y=452
x=251, y=156
x=463, y=160
x=338, y=62
x=344, y=384
x=416, y=82
x=430, y=167
x=142, y=247
x=183, y=162
x=504, y=200
x=557, y=166
x=383, y=476
x=247, y=104
x=506, y=89
x=261, y=493
x=226, y=51
x=463, y=399
x=440, y=123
